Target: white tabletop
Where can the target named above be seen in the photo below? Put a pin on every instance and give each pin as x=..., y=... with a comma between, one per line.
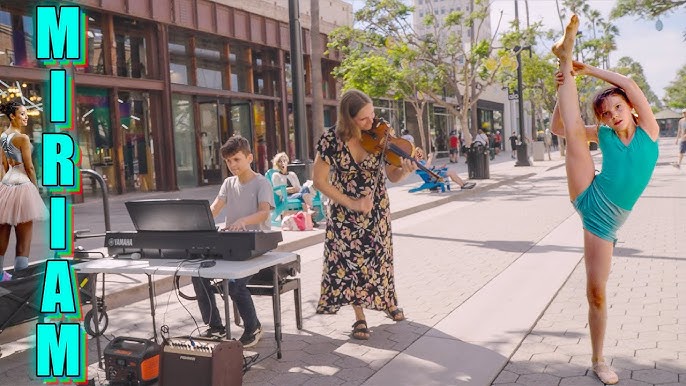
x=223, y=269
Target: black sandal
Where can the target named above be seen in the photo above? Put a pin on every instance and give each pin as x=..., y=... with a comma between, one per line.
x=358, y=331
x=397, y=315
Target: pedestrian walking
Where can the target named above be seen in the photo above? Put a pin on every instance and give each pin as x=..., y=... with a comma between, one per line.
x=681, y=139
x=603, y=201
x=513, y=144
x=20, y=201
x=548, y=142
x=358, y=249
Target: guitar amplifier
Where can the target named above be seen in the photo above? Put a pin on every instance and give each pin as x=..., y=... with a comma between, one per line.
x=132, y=361
x=201, y=361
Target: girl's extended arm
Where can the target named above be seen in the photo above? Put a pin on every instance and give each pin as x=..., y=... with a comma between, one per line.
x=556, y=124
x=638, y=100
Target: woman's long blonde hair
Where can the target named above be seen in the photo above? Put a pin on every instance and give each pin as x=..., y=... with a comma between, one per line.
x=351, y=103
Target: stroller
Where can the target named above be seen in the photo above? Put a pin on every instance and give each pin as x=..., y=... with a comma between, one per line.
x=19, y=298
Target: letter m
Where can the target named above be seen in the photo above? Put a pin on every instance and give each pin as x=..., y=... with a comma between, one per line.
x=58, y=32
x=58, y=353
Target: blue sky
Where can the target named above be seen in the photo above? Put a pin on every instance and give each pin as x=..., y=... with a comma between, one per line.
x=661, y=53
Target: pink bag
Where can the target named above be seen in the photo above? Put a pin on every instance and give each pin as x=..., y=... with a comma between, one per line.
x=300, y=221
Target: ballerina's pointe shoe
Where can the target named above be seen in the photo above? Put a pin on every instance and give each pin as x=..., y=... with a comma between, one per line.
x=605, y=373
x=564, y=47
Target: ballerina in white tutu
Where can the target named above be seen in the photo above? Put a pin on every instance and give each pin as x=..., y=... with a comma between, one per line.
x=20, y=202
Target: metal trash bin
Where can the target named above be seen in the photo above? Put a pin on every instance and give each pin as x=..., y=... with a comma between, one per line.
x=477, y=162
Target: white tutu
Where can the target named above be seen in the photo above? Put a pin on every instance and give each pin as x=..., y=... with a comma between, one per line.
x=20, y=201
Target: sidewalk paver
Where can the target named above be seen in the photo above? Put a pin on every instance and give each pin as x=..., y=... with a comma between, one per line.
x=446, y=258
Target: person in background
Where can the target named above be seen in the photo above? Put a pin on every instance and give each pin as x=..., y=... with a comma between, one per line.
x=513, y=144
x=454, y=147
x=427, y=161
x=681, y=139
x=407, y=136
x=481, y=138
x=548, y=142
x=248, y=198
x=290, y=179
x=20, y=201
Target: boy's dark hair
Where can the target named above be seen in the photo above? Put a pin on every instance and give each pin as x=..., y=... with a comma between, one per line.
x=234, y=145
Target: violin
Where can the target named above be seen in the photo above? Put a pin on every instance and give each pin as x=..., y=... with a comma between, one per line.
x=380, y=138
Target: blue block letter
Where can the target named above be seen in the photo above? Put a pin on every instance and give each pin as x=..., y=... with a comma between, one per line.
x=58, y=96
x=56, y=34
x=58, y=354
x=57, y=288
x=58, y=223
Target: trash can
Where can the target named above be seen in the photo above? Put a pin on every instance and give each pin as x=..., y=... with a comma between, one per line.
x=539, y=150
x=477, y=162
x=300, y=170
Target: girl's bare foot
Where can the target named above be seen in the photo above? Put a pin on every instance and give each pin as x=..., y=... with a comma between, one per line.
x=563, y=48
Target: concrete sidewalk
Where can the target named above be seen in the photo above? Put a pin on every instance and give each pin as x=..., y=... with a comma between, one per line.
x=489, y=279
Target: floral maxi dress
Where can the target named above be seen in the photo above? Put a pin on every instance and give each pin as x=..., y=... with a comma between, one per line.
x=358, y=250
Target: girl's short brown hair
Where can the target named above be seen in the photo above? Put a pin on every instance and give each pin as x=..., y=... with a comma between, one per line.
x=600, y=98
x=351, y=103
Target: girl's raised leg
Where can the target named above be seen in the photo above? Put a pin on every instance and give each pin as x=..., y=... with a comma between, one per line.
x=579, y=164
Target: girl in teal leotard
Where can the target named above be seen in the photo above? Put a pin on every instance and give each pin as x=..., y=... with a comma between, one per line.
x=629, y=146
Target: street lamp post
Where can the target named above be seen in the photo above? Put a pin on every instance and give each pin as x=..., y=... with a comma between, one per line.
x=522, y=152
x=299, y=117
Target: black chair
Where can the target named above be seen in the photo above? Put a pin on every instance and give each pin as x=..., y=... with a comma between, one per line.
x=262, y=284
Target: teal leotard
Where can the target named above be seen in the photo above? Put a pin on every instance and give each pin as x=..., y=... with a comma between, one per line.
x=607, y=202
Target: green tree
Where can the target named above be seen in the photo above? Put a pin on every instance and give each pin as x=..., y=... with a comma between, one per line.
x=648, y=9
x=384, y=55
x=675, y=96
x=634, y=70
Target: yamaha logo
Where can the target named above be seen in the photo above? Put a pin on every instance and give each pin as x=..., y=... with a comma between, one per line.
x=120, y=242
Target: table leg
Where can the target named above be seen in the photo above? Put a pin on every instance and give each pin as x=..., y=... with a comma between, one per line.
x=151, y=295
x=227, y=308
x=96, y=320
x=276, y=295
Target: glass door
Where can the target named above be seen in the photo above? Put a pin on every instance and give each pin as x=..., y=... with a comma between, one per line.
x=210, y=158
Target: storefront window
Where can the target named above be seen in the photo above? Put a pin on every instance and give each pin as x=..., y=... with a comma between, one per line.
x=131, y=52
x=16, y=40
x=184, y=141
x=137, y=143
x=260, y=144
x=265, y=73
x=210, y=64
x=240, y=68
x=179, y=60
x=288, y=74
x=440, y=128
x=94, y=133
x=96, y=57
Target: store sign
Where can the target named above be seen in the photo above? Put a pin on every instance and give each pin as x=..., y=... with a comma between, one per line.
x=61, y=340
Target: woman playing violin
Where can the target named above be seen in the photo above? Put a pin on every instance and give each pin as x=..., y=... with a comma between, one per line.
x=358, y=250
